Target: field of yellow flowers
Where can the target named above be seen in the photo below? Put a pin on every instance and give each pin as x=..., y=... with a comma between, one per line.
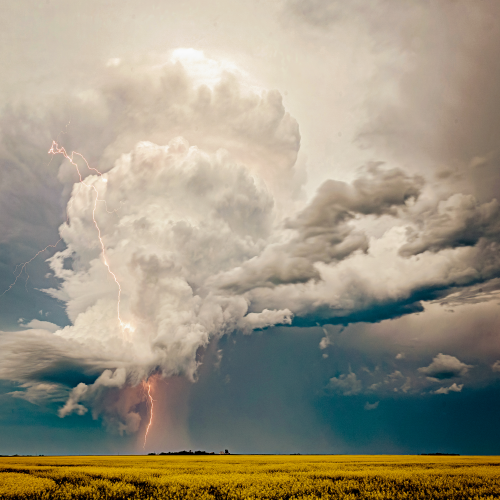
x=250, y=477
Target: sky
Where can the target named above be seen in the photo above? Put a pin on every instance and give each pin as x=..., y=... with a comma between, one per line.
x=278, y=231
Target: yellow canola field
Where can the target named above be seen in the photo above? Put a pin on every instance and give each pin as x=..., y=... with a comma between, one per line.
x=250, y=477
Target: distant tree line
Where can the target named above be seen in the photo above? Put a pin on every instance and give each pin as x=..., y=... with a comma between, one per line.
x=184, y=452
x=16, y=455
x=442, y=454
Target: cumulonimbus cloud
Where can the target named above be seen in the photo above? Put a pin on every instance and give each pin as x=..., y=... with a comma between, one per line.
x=202, y=230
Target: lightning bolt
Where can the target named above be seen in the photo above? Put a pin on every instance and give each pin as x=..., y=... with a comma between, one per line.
x=150, y=398
x=22, y=267
x=54, y=150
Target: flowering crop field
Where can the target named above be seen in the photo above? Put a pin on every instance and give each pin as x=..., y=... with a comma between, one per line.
x=251, y=477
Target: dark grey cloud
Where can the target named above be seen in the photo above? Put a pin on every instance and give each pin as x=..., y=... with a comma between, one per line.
x=440, y=118
x=31, y=209
x=444, y=366
x=39, y=355
x=324, y=230
x=29, y=189
x=457, y=221
x=51, y=369
x=324, y=233
x=486, y=291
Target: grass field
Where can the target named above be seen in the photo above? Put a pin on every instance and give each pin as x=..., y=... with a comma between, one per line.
x=235, y=477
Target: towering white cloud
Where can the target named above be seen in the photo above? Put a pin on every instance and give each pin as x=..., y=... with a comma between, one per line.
x=204, y=231
x=174, y=216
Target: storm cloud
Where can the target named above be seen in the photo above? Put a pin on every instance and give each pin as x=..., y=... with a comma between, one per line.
x=205, y=240
x=212, y=228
